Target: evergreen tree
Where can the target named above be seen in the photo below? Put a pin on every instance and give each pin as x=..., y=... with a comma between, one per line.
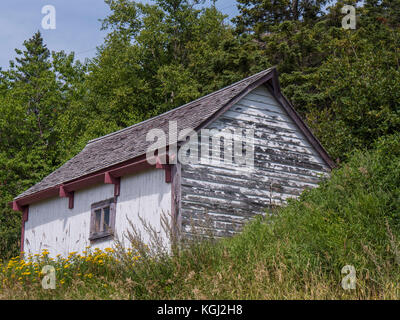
x=34, y=96
x=260, y=15
x=384, y=11
x=33, y=90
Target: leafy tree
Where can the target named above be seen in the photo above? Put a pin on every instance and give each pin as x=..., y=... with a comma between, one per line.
x=160, y=56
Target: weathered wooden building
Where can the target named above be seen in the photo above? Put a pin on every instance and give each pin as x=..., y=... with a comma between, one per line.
x=89, y=200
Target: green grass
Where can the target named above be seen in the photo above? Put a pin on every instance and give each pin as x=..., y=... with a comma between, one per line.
x=297, y=253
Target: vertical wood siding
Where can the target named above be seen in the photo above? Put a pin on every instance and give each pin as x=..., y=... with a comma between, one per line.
x=218, y=199
x=51, y=225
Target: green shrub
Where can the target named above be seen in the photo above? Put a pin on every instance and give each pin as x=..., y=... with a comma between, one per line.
x=351, y=219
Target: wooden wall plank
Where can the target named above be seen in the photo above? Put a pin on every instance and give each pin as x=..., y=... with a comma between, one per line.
x=219, y=199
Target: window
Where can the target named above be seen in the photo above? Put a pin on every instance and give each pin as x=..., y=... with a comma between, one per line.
x=102, y=222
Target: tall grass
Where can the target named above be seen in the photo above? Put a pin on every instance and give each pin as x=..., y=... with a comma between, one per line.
x=297, y=253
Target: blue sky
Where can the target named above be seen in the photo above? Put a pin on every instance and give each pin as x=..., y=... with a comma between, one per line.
x=77, y=25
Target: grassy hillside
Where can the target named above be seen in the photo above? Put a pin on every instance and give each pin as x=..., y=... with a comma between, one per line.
x=352, y=219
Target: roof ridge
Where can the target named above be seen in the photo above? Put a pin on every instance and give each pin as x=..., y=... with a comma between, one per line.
x=174, y=109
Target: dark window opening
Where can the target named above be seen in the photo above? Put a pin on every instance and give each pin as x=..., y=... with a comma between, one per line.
x=102, y=222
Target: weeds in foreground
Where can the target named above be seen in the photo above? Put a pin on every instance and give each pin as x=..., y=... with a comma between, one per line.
x=21, y=277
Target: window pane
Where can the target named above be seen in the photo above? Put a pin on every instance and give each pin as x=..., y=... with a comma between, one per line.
x=106, y=226
x=97, y=220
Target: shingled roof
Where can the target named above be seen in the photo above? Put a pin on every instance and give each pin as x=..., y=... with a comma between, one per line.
x=131, y=142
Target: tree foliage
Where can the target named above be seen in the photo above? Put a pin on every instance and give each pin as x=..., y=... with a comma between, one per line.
x=36, y=91
x=260, y=16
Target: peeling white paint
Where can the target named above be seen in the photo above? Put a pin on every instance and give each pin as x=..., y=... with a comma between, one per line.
x=285, y=165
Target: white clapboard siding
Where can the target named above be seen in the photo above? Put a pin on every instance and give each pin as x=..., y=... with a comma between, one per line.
x=219, y=199
x=51, y=225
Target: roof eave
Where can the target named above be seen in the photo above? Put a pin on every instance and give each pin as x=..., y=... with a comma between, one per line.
x=102, y=176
